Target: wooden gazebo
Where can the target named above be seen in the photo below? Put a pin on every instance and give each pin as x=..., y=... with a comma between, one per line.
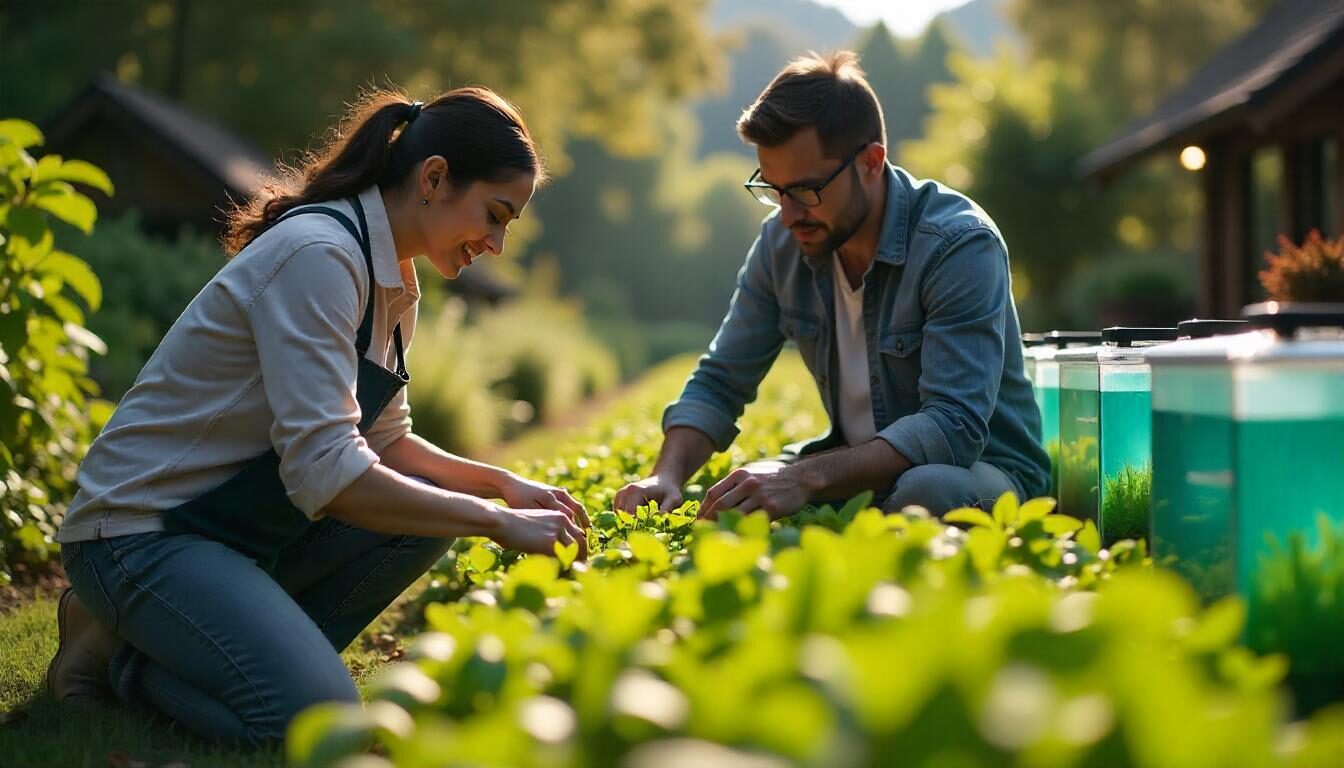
x=1281, y=85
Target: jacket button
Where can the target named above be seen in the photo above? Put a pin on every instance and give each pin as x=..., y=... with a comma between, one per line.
x=873, y=379
x=900, y=345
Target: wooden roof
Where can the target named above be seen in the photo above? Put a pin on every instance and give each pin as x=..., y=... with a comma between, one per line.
x=1242, y=83
x=235, y=164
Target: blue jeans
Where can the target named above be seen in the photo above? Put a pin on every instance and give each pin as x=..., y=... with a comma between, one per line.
x=939, y=488
x=229, y=650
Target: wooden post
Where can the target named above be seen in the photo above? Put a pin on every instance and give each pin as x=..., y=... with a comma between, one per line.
x=1303, y=187
x=1211, y=179
x=1234, y=257
x=1337, y=218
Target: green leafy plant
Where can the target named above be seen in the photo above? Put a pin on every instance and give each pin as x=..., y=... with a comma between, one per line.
x=48, y=408
x=836, y=637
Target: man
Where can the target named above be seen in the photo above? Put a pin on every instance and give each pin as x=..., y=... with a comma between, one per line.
x=897, y=293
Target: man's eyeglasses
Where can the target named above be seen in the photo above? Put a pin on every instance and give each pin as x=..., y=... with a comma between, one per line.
x=806, y=195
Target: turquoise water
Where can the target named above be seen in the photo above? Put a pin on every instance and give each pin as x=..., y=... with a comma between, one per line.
x=1079, y=438
x=1288, y=473
x=1126, y=431
x=1047, y=398
x=1192, y=498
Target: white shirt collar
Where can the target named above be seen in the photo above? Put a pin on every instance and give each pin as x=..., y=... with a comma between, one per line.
x=387, y=271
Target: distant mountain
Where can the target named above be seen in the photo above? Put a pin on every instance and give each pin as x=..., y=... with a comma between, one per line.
x=978, y=26
x=804, y=22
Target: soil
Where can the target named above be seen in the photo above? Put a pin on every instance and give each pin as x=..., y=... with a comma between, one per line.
x=32, y=582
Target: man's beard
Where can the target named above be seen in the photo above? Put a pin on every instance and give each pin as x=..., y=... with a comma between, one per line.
x=846, y=224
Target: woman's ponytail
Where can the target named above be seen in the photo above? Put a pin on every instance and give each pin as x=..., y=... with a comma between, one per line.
x=480, y=134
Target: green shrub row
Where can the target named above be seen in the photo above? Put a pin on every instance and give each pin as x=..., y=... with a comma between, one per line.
x=839, y=637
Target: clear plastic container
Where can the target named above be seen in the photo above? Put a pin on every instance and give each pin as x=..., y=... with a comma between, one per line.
x=1288, y=422
x=1105, y=433
x=1189, y=522
x=1045, y=385
x=1248, y=442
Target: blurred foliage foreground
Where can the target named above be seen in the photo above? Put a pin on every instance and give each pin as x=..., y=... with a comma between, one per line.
x=834, y=638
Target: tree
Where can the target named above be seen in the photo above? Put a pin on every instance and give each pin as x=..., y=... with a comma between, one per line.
x=279, y=71
x=1127, y=55
x=651, y=244
x=1008, y=135
x=901, y=77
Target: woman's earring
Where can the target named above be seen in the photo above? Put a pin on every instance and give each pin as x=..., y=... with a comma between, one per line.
x=424, y=201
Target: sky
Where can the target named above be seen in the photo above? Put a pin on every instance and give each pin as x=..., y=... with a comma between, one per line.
x=905, y=18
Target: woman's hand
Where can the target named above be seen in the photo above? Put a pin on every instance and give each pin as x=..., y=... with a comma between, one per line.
x=537, y=531
x=521, y=493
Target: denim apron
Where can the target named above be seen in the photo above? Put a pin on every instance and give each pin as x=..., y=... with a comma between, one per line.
x=251, y=511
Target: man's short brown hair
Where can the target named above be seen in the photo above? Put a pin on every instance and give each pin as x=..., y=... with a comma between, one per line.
x=828, y=93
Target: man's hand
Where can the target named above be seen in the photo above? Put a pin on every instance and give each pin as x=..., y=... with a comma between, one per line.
x=520, y=493
x=537, y=531
x=771, y=486
x=656, y=488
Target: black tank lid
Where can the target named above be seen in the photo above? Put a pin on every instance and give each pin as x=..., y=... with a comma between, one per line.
x=1286, y=317
x=1064, y=338
x=1203, y=329
x=1123, y=336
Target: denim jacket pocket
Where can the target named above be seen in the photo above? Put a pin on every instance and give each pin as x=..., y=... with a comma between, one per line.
x=899, y=353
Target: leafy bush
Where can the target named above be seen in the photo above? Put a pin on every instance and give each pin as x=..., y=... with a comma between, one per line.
x=147, y=282
x=1128, y=289
x=48, y=409
x=1313, y=271
x=473, y=384
x=835, y=638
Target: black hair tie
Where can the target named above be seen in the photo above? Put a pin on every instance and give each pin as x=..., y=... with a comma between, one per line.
x=415, y=111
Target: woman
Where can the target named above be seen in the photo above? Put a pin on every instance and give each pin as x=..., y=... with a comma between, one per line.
x=258, y=498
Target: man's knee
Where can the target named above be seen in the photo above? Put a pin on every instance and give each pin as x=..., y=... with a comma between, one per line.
x=938, y=488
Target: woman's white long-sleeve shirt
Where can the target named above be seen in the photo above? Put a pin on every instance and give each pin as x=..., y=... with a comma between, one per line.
x=263, y=357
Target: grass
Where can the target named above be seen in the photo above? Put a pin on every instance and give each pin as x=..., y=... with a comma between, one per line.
x=1124, y=504
x=36, y=731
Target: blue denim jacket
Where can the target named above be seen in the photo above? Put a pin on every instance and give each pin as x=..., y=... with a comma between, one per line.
x=944, y=356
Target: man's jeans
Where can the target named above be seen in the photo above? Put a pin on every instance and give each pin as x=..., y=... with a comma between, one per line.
x=939, y=488
x=231, y=651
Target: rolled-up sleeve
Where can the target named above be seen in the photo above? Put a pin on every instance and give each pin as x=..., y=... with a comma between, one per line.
x=728, y=375
x=964, y=293
x=304, y=320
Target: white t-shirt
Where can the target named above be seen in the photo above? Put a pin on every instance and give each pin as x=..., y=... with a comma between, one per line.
x=856, y=400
